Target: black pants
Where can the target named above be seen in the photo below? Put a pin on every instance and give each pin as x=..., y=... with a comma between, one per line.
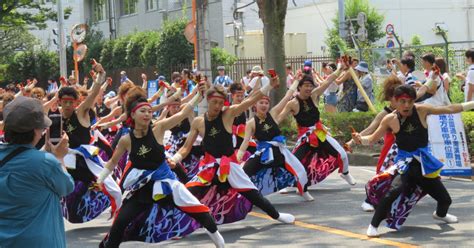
x=303, y=150
x=81, y=172
x=253, y=165
x=406, y=183
x=134, y=206
x=252, y=195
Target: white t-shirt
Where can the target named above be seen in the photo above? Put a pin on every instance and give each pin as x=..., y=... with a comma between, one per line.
x=469, y=80
x=246, y=80
x=265, y=81
x=289, y=80
x=440, y=98
x=331, y=89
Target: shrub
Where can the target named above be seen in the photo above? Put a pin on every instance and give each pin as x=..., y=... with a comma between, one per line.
x=119, y=52
x=220, y=57
x=106, y=55
x=173, y=48
x=135, y=47
x=149, y=54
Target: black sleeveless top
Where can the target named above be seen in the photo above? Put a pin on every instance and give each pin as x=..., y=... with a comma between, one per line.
x=102, y=110
x=241, y=119
x=146, y=153
x=266, y=130
x=388, y=109
x=412, y=134
x=308, y=114
x=217, y=141
x=78, y=135
x=182, y=127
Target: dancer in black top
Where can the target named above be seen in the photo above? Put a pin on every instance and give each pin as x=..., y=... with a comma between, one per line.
x=313, y=139
x=416, y=166
x=84, y=203
x=220, y=166
x=271, y=149
x=149, y=177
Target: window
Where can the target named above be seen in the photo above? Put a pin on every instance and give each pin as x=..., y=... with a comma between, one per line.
x=151, y=5
x=99, y=10
x=128, y=7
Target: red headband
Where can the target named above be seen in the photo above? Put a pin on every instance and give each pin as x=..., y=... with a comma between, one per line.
x=265, y=98
x=404, y=96
x=216, y=96
x=68, y=99
x=140, y=105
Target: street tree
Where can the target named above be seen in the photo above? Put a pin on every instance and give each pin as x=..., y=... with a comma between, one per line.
x=21, y=13
x=273, y=15
x=374, y=27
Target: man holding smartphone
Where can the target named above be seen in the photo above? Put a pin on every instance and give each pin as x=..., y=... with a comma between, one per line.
x=32, y=181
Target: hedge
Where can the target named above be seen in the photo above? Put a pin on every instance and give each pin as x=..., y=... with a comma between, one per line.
x=339, y=125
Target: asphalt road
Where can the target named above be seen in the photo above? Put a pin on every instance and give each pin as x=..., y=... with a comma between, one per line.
x=333, y=219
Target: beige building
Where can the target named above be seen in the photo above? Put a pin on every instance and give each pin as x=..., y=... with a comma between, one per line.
x=251, y=44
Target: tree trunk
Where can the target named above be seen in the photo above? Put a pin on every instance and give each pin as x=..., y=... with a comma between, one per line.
x=273, y=13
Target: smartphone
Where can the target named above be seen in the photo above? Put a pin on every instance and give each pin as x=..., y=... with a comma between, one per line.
x=56, y=128
x=272, y=72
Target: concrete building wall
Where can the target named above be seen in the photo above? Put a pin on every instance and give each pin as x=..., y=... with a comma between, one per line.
x=251, y=44
x=144, y=20
x=409, y=17
x=46, y=36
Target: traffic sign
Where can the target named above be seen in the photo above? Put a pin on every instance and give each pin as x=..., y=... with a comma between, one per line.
x=389, y=29
x=390, y=44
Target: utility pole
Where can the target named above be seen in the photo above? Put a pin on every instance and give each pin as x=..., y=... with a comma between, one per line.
x=203, y=42
x=62, y=40
x=203, y=46
x=342, y=20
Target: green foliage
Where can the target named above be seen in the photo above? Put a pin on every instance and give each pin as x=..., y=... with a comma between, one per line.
x=340, y=123
x=15, y=39
x=220, y=57
x=173, y=48
x=135, y=47
x=12, y=14
x=416, y=40
x=374, y=27
x=149, y=54
x=106, y=55
x=41, y=64
x=455, y=93
x=119, y=53
x=468, y=120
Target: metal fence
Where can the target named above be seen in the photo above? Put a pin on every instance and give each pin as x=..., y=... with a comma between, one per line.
x=239, y=68
x=453, y=53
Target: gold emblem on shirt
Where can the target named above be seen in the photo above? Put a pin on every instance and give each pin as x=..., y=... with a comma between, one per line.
x=143, y=151
x=213, y=132
x=266, y=127
x=410, y=128
x=70, y=128
x=306, y=107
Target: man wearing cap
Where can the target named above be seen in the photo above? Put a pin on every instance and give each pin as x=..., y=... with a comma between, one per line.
x=123, y=77
x=362, y=70
x=255, y=74
x=222, y=79
x=32, y=181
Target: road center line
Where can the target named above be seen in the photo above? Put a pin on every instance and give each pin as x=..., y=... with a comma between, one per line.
x=339, y=232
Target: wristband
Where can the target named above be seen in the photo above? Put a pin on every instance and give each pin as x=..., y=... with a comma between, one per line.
x=466, y=106
x=195, y=100
x=294, y=86
x=177, y=158
x=103, y=175
x=364, y=141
